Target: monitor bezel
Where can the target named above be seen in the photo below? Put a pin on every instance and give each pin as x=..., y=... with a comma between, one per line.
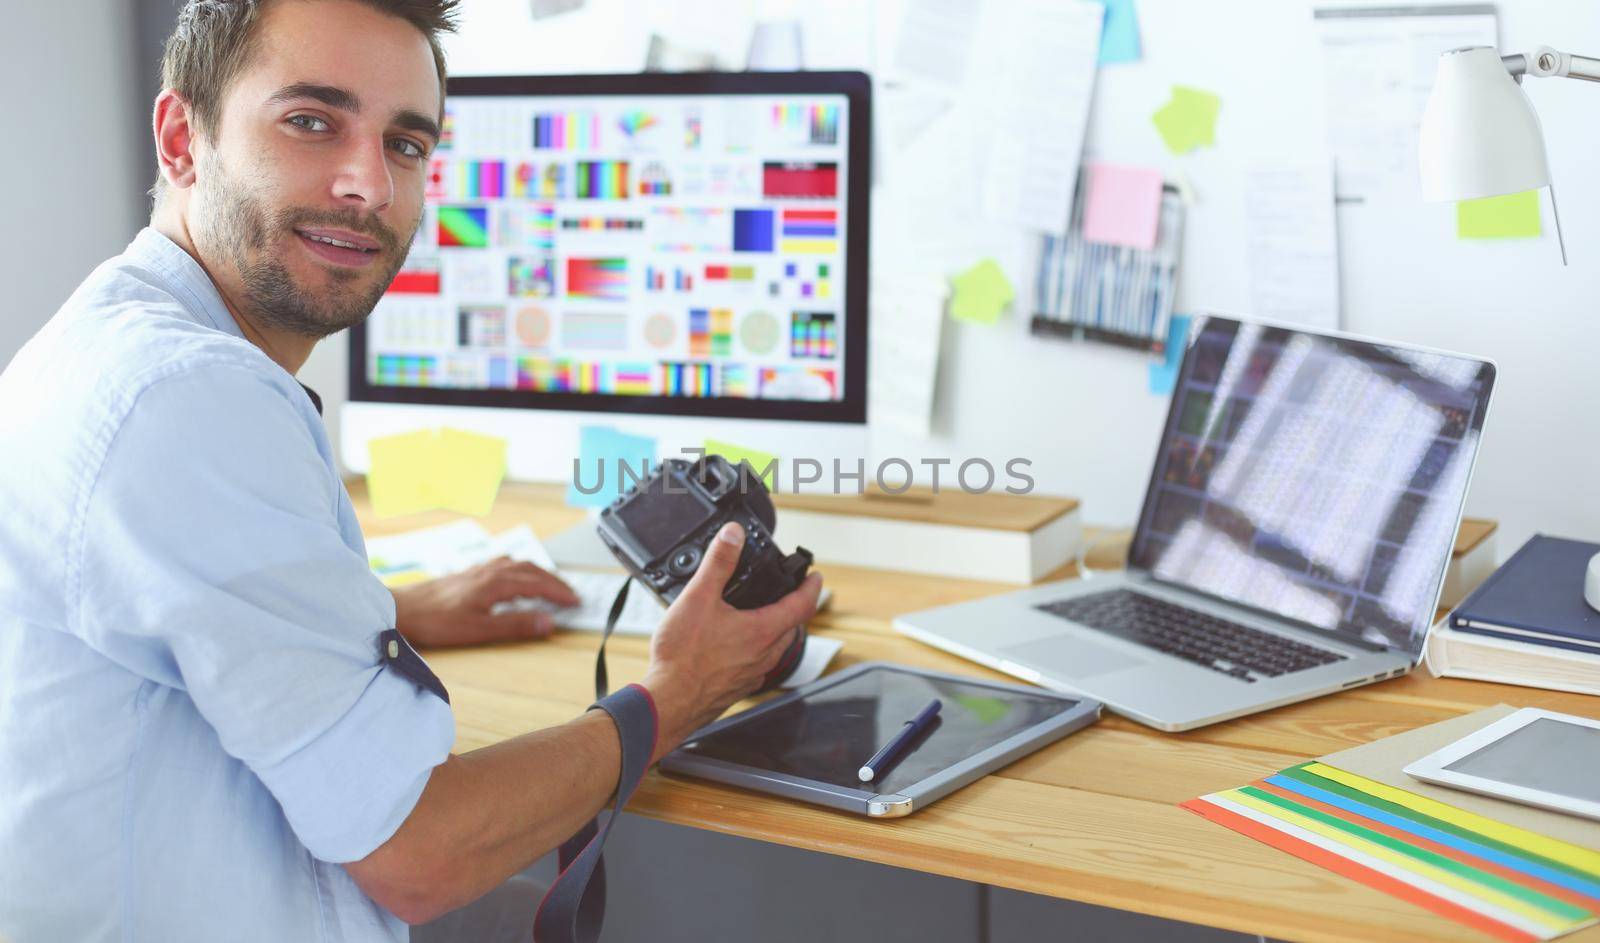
x=851, y=408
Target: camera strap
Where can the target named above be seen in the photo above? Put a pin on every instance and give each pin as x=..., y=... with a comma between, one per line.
x=575, y=906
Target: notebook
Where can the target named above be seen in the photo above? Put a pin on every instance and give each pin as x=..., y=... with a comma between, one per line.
x=1536, y=596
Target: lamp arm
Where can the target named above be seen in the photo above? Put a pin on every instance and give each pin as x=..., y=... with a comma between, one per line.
x=1545, y=62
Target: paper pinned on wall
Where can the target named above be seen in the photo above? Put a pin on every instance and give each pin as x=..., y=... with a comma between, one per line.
x=1122, y=205
x=1378, y=67
x=907, y=322
x=602, y=451
x=936, y=42
x=1033, y=79
x=435, y=468
x=1119, y=38
x=1188, y=120
x=1513, y=216
x=1292, y=241
x=980, y=293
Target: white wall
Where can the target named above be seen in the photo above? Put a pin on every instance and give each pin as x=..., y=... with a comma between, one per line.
x=1081, y=412
x=71, y=197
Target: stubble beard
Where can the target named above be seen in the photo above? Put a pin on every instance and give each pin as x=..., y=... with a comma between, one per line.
x=242, y=228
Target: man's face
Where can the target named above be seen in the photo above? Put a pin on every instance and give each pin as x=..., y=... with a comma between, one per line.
x=308, y=193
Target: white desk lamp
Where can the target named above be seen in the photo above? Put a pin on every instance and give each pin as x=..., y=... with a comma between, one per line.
x=1480, y=137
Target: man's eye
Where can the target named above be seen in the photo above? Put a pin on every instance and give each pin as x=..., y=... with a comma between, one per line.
x=308, y=122
x=408, y=147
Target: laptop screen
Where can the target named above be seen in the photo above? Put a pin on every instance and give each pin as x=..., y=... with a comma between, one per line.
x=1319, y=478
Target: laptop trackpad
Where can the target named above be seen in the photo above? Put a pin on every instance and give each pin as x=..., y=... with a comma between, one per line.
x=1063, y=656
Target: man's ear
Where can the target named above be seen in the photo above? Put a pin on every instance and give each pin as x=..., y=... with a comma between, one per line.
x=175, y=134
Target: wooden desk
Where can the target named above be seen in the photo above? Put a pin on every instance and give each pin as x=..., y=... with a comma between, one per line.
x=1093, y=818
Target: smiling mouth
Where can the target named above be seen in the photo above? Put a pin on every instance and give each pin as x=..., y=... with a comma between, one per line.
x=353, y=251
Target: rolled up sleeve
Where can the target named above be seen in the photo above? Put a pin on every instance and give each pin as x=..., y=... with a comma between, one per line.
x=210, y=559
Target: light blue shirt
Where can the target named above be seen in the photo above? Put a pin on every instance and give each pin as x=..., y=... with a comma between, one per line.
x=196, y=725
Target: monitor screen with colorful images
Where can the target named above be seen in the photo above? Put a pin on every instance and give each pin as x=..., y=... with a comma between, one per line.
x=676, y=244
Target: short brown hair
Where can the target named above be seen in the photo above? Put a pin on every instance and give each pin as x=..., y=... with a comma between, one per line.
x=213, y=39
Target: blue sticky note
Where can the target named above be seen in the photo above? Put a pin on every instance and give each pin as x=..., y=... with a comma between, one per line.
x=1164, y=375
x=1119, y=37
x=599, y=476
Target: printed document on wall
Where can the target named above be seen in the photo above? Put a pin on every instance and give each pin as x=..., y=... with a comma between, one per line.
x=1032, y=79
x=907, y=318
x=1292, y=240
x=1378, y=68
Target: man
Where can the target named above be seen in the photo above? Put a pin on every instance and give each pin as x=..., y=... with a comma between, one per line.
x=199, y=737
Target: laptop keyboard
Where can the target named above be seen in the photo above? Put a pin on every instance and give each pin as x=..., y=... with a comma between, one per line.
x=1228, y=647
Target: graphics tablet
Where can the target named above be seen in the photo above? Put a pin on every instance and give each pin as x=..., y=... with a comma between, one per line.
x=1535, y=757
x=809, y=743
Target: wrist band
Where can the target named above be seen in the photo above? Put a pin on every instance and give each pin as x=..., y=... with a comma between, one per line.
x=574, y=908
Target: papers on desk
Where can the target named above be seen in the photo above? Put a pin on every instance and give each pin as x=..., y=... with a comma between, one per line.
x=450, y=548
x=1507, y=882
x=1378, y=68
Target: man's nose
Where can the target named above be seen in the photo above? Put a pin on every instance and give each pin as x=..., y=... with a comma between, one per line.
x=364, y=177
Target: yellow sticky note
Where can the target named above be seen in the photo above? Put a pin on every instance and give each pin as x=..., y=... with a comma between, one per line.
x=434, y=468
x=474, y=465
x=1188, y=120
x=980, y=293
x=1513, y=216
x=764, y=464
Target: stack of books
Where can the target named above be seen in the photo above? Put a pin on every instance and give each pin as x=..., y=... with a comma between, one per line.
x=1527, y=624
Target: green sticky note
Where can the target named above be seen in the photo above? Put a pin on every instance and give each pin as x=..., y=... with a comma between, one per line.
x=765, y=465
x=1188, y=120
x=1513, y=216
x=435, y=468
x=980, y=293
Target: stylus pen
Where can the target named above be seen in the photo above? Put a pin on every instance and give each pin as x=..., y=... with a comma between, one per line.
x=909, y=730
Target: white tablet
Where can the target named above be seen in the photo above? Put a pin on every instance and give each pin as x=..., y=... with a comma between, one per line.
x=1535, y=757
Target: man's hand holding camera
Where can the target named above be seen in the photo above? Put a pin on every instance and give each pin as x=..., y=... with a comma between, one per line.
x=707, y=654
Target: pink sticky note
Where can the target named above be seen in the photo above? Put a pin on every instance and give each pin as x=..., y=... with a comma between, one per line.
x=1124, y=205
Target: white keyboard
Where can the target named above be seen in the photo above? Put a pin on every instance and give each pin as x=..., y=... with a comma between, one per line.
x=596, y=591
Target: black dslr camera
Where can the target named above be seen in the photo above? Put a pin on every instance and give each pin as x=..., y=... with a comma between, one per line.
x=661, y=528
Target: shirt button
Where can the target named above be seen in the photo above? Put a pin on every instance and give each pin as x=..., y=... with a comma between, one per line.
x=394, y=649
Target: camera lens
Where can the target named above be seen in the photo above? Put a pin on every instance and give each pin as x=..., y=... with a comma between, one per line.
x=685, y=561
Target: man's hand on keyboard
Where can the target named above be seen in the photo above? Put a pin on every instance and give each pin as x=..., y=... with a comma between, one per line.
x=707, y=654
x=466, y=608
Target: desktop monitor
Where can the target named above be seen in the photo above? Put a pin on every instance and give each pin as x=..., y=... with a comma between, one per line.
x=675, y=255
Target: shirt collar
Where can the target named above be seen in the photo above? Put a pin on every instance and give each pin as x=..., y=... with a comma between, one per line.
x=185, y=279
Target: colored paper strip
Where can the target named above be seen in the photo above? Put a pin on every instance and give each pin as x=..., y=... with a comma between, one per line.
x=1583, y=859
x=1553, y=914
x=1491, y=864
x=1373, y=874
x=1391, y=815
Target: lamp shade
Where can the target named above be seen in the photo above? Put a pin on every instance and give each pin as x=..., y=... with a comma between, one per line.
x=1480, y=136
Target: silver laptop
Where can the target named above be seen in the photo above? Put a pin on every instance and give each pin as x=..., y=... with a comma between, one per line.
x=1293, y=540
